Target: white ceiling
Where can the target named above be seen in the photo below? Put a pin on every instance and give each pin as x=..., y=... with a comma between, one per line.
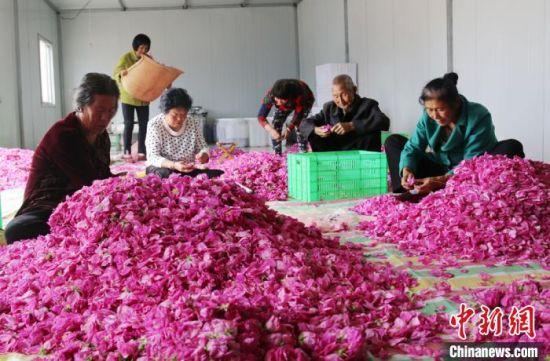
x=116, y=4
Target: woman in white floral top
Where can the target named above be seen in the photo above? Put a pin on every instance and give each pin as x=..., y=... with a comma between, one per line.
x=175, y=142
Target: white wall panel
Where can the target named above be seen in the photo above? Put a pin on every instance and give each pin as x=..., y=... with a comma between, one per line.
x=230, y=56
x=399, y=46
x=321, y=32
x=9, y=109
x=501, y=54
x=35, y=17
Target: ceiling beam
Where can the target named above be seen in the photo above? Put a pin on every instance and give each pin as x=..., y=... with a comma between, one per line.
x=52, y=6
x=189, y=6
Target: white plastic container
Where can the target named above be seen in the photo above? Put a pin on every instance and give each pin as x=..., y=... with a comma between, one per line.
x=232, y=130
x=258, y=137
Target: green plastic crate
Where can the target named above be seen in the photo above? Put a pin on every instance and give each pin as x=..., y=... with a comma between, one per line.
x=322, y=176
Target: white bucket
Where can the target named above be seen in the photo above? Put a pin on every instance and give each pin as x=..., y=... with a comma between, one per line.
x=258, y=136
x=232, y=130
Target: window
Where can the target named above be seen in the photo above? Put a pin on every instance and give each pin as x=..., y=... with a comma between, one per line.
x=47, y=82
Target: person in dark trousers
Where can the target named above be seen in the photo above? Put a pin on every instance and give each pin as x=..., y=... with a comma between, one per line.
x=452, y=129
x=348, y=122
x=130, y=105
x=73, y=153
x=287, y=95
x=175, y=142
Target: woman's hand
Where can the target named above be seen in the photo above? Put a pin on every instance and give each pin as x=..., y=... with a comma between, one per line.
x=286, y=133
x=407, y=174
x=183, y=167
x=273, y=132
x=202, y=158
x=321, y=131
x=430, y=184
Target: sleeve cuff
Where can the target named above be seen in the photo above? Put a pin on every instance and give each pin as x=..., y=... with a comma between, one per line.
x=155, y=161
x=262, y=121
x=411, y=167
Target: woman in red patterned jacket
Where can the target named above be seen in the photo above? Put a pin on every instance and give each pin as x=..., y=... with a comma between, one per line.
x=287, y=95
x=73, y=153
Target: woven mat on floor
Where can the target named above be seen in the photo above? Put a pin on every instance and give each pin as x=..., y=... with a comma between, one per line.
x=334, y=217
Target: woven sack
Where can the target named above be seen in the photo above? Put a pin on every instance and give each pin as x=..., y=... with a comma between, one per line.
x=147, y=79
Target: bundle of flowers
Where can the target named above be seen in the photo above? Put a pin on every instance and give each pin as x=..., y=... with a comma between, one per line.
x=326, y=128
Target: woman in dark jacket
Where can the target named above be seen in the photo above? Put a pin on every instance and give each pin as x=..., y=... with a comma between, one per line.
x=349, y=122
x=73, y=153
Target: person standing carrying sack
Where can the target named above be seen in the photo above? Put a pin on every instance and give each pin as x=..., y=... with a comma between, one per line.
x=141, y=46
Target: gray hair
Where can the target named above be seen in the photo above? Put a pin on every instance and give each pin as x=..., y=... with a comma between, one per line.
x=94, y=84
x=346, y=81
x=175, y=98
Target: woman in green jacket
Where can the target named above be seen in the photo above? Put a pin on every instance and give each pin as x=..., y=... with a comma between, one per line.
x=450, y=130
x=141, y=46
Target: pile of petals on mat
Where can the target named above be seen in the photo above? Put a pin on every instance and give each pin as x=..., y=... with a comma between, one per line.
x=15, y=165
x=519, y=295
x=265, y=173
x=128, y=167
x=132, y=262
x=493, y=209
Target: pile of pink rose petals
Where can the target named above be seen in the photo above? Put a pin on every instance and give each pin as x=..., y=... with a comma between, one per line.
x=263, y=172
x=15, y=166
x=493, y=208
x=186, y=269
x=218, y=155
x=518, y=294
x=130, y=168
x=294, y=148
